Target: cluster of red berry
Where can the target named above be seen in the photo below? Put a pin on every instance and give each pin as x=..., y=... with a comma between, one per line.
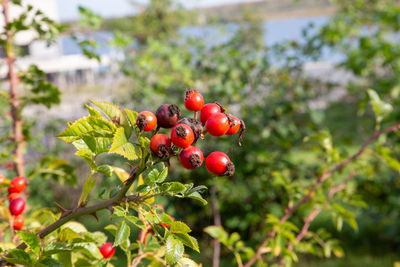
x=185, y=132
x=17, y=203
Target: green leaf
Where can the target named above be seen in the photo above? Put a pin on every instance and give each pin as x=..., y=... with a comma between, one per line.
x=151, y=177
x=116, y=115
x=17, y=256
x=217, y=232
x=381, y=108
x=56, y=247
x=105, y=169
x=119, y=212
x=136, y=221
x=89, y=249
x=179, y=227
x=31, y=240
x=121, y=146
x=112, y=229
x=50, y=262
x=87, y=155
x=176, y=187
x=162, y=176
x=174, y=250
x=132, y=115
x=188, y=241
x=122, y=234
x=93, y=112
x=67, y=234
x=197, y=196
x=89, y=126
x=87, y=187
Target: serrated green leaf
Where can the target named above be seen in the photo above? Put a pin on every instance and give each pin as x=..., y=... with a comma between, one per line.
x=119, y=211
x=179, y=227
x=176, y=187
x=17, y=256
x=150, y=177
x=116, y=115
x=56, y=247
x=112, y=229
x=162, y=176
x=121, y=146
x=132, y=115
x=31, y=240
x=121, y=173
x=122, y=234
x=188, y=241
x=105, y=169
x=93, y=112
x=89, y=126
x=174, y=250
x=87, y=155
x=87, y=188
x=136, y=221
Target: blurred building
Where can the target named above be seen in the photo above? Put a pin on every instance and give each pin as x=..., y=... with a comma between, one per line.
x=62, y=61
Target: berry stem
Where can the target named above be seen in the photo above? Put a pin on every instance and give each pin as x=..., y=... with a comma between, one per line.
x=195, y=115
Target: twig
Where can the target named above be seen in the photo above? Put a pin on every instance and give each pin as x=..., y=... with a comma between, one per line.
x=320, y=180
x=17, y=137
x=217, y=222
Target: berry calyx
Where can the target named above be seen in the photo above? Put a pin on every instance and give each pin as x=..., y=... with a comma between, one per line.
x=218, y=163
x=107, y=250
x=168, y=115
x=194, y=101
x=217, y=124
x=13, y=196
x=146, y=121
x=234, y=127
x=18, y=222
x=17, y=206
x=196, y=126
x=182, y=135
x=18, y=185
x=191, y=158
x=160, y=144
x=208, y=110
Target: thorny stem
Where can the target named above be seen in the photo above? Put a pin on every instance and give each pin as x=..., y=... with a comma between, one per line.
x=17, y=137
x=320, y=180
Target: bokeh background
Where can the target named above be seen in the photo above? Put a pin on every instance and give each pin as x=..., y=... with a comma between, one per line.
x=289, y=69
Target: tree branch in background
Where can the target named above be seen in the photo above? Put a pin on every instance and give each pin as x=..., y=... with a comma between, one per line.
x=217, y=222
x=320, y=180
x=17, y=137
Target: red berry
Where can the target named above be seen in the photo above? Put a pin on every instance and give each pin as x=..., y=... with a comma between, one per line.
x=217, y=124
x=208, y=110
x=191, y=157
x=17, y=206
x=18, y=222
x=18, y=185
x=160, y=144
x=107, y=250
x=168, y=115
x=13, y=196
x=234, y=127
x=166, y=224
x=3, y=179
x=182, y=135
x=146, y=121
x=218, y=163
x=194, y=100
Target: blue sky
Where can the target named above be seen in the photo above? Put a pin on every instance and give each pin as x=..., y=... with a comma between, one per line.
x=114, y=8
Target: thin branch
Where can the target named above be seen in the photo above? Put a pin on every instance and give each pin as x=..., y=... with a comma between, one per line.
x=17, y=137
x=217, y=222
x=320, y=180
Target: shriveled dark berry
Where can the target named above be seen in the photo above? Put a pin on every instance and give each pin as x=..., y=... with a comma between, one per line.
x=168, y=115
